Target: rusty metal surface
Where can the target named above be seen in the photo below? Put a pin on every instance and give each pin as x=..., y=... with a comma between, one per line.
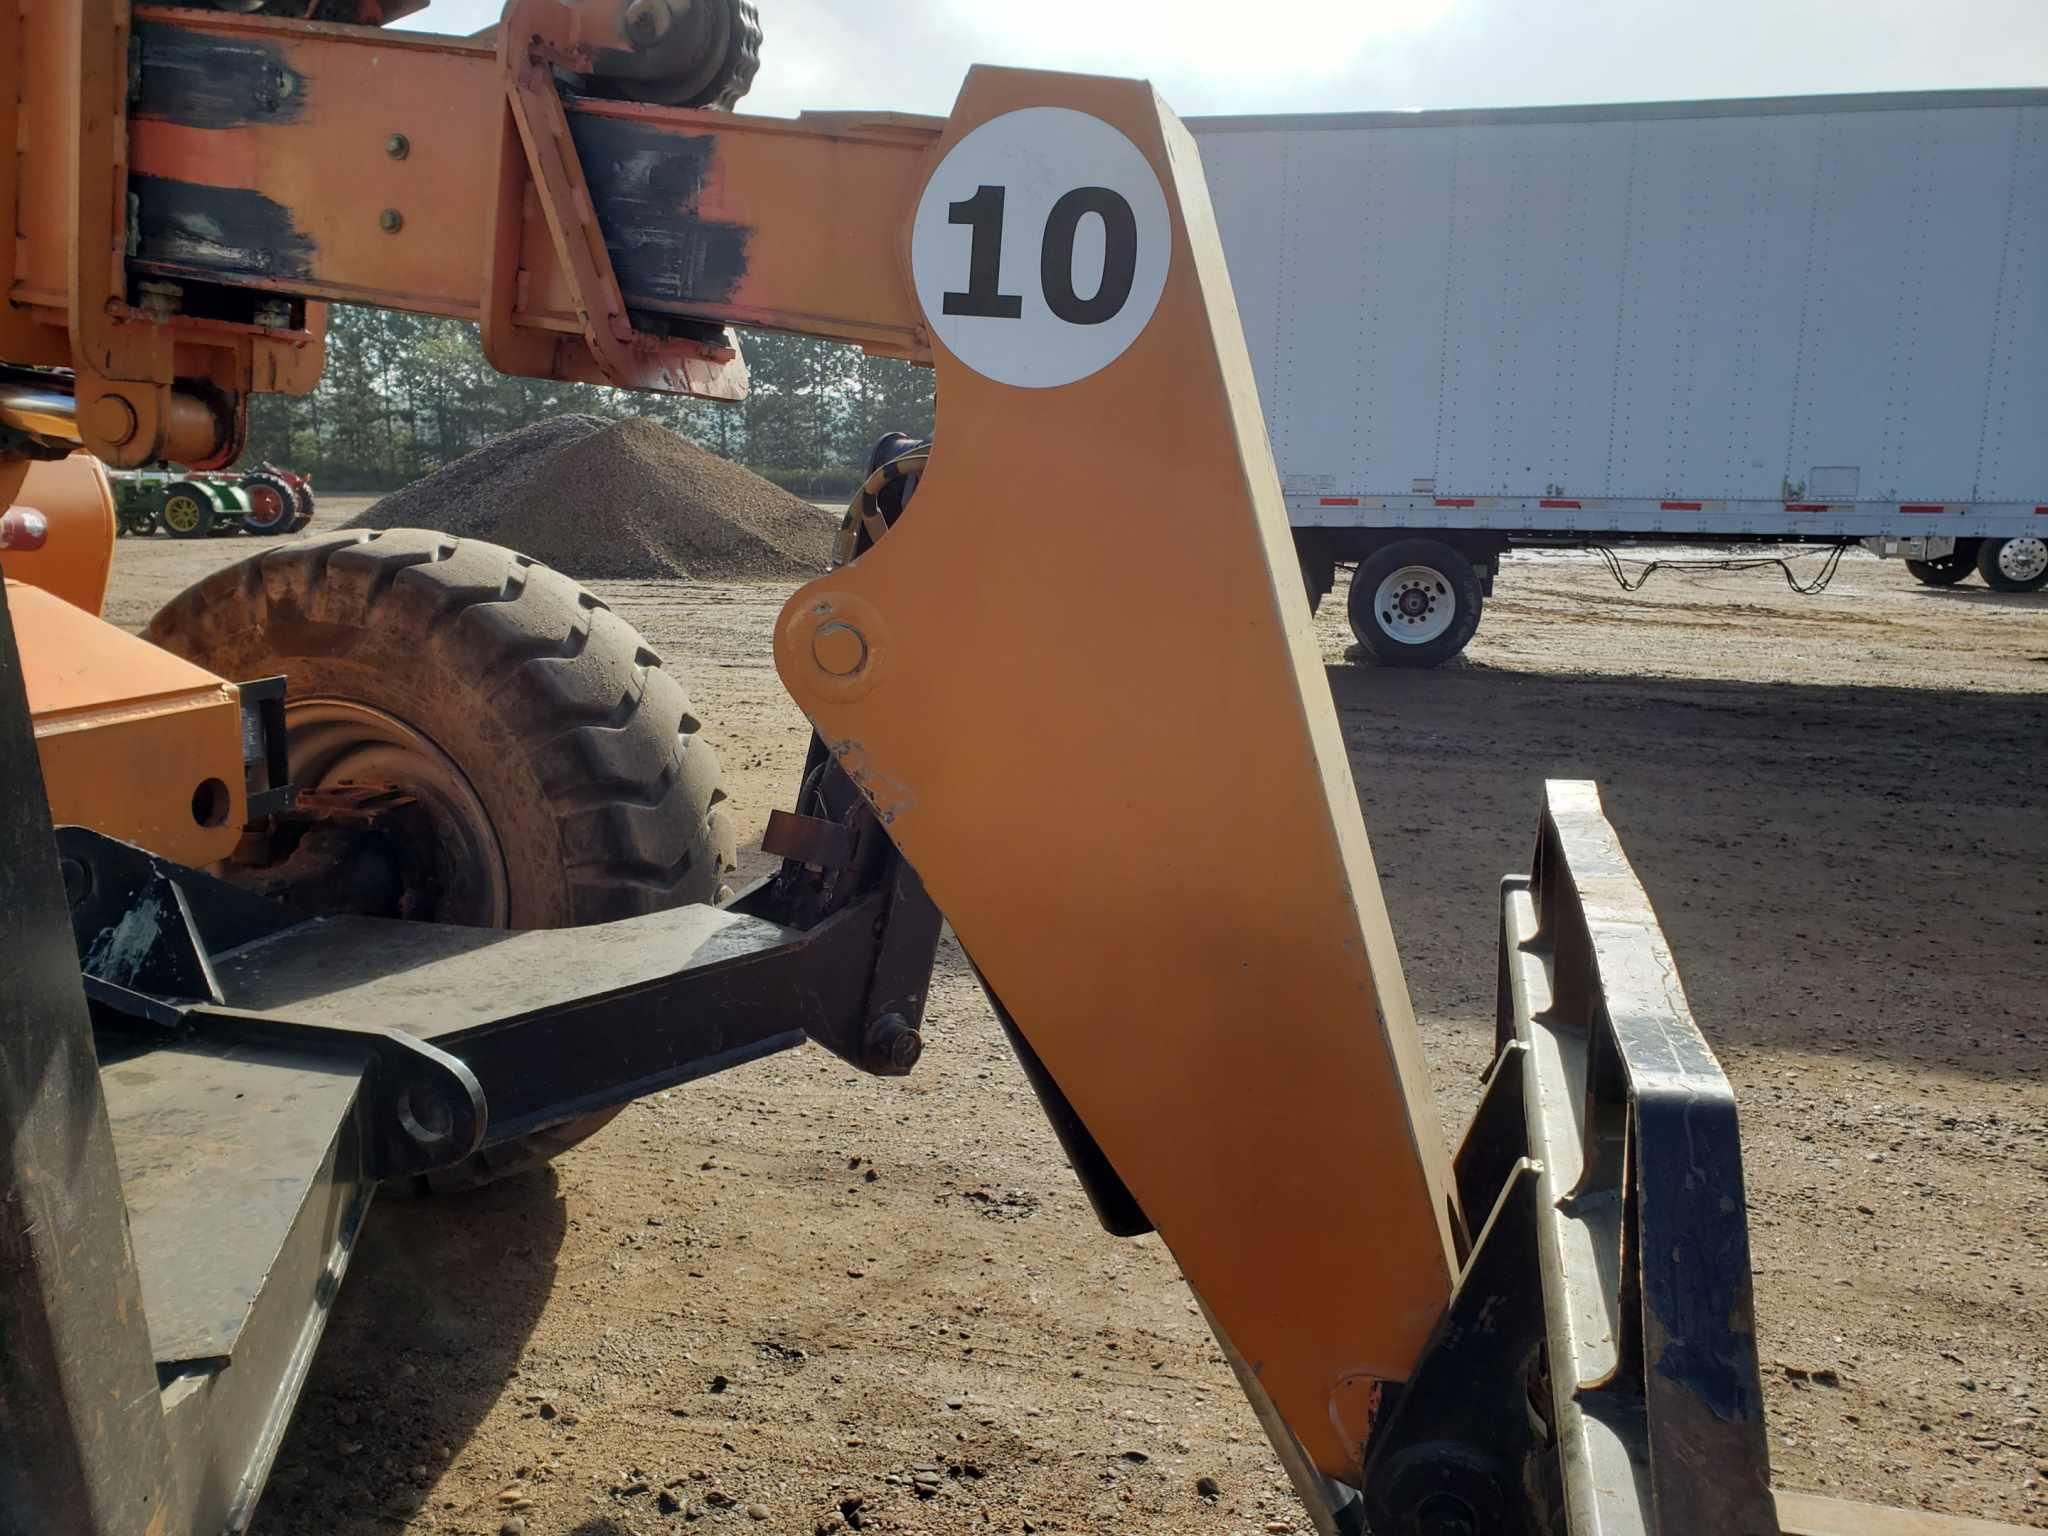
x=808, y=839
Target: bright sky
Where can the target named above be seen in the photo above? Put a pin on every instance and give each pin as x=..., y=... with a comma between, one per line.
x=1211, y=56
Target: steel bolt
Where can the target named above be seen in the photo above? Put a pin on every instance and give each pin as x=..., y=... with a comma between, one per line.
x=398, y=146
x=648, y=21
x=839, y=649
x=391, y=221
x=892, y=1047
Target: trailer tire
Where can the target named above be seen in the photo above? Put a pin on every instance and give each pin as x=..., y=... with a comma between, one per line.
x=551, y=750
x=302, y=497
x=1318, y=576
x=1946, y=571
x=1415, y=602
x=2014, y=565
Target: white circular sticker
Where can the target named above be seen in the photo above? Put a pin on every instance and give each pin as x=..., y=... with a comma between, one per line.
x=1041, y=246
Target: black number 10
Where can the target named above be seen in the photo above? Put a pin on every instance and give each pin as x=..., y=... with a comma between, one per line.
x=983, y=212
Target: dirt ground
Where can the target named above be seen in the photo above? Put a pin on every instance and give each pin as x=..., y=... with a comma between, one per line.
x=782, y=1293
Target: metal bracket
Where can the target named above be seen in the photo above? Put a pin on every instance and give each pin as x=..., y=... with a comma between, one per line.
x=265, y=756
x=149, y=925
x=533, y=38
x=421, y=1108
x=147, y=932
x=1627, y=1402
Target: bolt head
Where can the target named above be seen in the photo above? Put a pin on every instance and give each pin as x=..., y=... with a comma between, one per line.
x=398, y=146
x=839, y=649
x=893, y=1047
x=391, y=221
x=648, y=21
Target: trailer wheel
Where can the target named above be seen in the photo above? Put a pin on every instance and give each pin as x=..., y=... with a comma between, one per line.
x=1415, y=602
x=272, y=506
x=1318, y=575
x=553, y=771
x=1949, y=569
x=2014, y=565
x=186, y=511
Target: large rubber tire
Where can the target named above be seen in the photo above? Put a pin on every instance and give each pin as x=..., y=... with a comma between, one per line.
x=1318, y=576
x=2014, y=565
x=303, y=494
x=272, y=504
x=1946, y=571
x=580, y=747
x=1431, y=577
x=186, y=512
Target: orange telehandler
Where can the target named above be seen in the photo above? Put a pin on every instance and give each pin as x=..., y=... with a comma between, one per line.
x=398, y=858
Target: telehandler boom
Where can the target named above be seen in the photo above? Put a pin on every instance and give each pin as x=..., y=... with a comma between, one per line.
x=1012, y=676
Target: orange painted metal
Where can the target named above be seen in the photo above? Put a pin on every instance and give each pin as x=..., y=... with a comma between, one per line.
x=535, y=36
x=1044, y=676
x=77, y=556
x=431, y=230
x=135, y=742
x=815, y=198
x=64, y=82
x=1052, y=687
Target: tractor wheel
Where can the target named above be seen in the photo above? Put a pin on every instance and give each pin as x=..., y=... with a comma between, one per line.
x=186, y=511
x=302, y=499
x=272, y=506
x=553, y=770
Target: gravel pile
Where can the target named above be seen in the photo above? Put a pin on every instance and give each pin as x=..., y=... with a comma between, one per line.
x=618, y=500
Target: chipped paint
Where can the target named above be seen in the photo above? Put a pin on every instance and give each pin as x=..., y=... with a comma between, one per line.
x=120, y=952
x=645, y=183
x=890, y=796
x=226, y=232
x=201, y=80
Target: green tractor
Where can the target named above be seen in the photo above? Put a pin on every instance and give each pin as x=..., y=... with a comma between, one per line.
x=264, y=501
x=184, y=506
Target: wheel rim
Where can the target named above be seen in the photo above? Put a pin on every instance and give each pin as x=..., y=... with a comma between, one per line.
x=1415, y=605
x=2023, y=559
x=181, y=513
x=266, y=507
x=336, y=743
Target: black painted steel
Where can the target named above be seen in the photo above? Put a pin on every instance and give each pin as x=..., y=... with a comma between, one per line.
x=1606, y=1164
x=84, y=1447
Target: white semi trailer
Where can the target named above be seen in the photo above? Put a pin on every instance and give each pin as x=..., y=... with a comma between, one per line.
x=1793, y=320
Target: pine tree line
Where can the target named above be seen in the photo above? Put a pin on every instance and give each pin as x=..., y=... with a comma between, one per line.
x=404, y=394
